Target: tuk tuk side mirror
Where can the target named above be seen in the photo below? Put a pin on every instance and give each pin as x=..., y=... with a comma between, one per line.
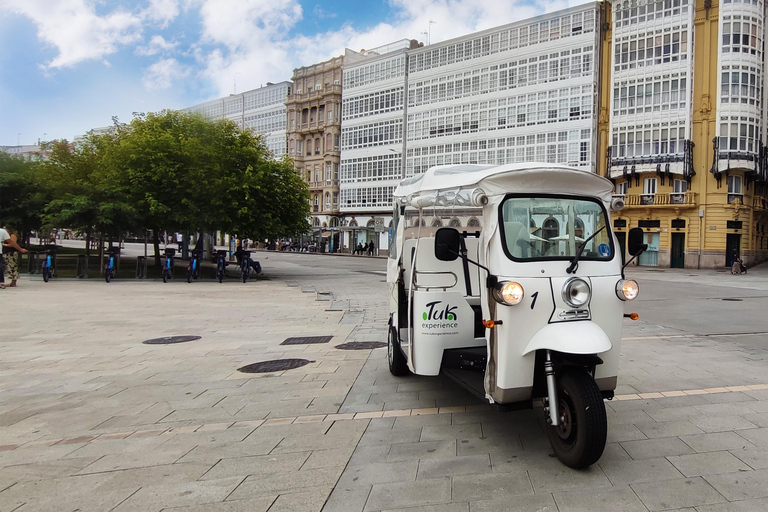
x=635, y=244
x=447, y=242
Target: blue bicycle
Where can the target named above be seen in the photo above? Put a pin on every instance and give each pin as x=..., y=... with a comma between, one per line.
x=110, y=269
x=221, y=264
x=49, y=263
x=193, y=270
x=168, y=267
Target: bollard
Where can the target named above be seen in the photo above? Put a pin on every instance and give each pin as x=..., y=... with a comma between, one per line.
x=82, y=266
x=141, y=267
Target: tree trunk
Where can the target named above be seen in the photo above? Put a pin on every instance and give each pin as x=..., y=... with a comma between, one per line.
x=88, y=243
x=156, y=245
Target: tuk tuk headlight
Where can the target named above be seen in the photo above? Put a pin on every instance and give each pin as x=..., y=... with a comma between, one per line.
x=627, y=289
x=576, y=292
x=508, y=293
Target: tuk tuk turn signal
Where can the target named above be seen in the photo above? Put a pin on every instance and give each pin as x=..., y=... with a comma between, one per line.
x=490, y=324
x=631, y=316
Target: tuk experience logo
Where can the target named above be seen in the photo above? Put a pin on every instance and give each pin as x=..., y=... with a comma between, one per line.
x=440, y=317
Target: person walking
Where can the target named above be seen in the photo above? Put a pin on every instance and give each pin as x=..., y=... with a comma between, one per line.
x=11, y=251
x=3, y=237
x=370, y=248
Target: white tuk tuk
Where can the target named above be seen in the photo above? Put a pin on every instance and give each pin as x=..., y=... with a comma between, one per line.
x=526, y=306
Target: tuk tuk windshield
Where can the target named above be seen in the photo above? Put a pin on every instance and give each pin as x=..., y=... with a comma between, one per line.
x=551, y=227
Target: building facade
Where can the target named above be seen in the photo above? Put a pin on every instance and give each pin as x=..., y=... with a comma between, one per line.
x=683, y=122
x=526, y=91
x=313, y=113
x=262, y=110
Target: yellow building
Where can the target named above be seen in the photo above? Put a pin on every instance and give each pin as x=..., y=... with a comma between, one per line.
x=682, y=128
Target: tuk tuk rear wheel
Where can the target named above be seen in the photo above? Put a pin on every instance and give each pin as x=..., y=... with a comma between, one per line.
x=397, y=364
x=579, y=440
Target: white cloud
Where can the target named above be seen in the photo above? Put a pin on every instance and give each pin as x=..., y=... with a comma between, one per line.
x=74, y=28
x=162, y=11
x=156, y=45
x=163, y=73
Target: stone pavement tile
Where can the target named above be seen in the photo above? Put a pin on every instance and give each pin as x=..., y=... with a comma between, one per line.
x=535, y=502
x=614, y=452
x=497, y=447
x=445, y=507
x=626, y=417
x=256, y=465
x=668, y=428
x=379, y=473
x=684, y=492
x=624, y=432
x=727, y=409
x=365, y=454
x=374, y=437
x=737, y=506
x=732, y=397
x=64, y=494
x=742, y=485
x=616, y=499
x=711, y=463
x=327, y=458
x=422, y=450
x=42, y=470
x=672, y=414
x=28, y=454
x=760, y=419
x=438, y=432
x=550, y=475
x=406, y=422
x=756, y=458
x=316, y=480
x=639, y=471
x=716, y=441
x=511, y=427
x=211, y=453
x=653, y=448
x=347, y=500
x=491, y=486
x=256, y=504
x=462, y=465
x=381, y=424
x=156, y=475
x=136, y=459
x=157, y=497
x=409, y=494
x=722, y=423
x=299, y=502
x=756, y=436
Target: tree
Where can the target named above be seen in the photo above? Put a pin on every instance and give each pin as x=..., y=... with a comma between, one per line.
x=21, y=196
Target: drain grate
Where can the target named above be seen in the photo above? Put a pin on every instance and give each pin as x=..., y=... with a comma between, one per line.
x=171, y=339
x=361, y=345
x=277, y=365
x=733, y=300
x=307, y=340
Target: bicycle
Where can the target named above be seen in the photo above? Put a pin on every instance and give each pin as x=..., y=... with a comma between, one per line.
x=48, y=264
x=168, y=267
x=193, y=270
x=110, y=269
x=247, y=265
x=221, y=264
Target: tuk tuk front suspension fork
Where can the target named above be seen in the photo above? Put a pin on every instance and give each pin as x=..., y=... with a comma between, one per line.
x=552, y=401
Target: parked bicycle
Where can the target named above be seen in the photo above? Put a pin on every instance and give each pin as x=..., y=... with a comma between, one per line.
x=221, y=264
x=168, y=267
x=247, y=265
x=49, y=263
x=110, y=269
x=193, y=270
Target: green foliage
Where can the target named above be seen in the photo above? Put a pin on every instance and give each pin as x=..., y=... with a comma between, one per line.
x=21, y=195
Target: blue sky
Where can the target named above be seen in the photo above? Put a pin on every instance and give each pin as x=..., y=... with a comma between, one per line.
x=67, y=66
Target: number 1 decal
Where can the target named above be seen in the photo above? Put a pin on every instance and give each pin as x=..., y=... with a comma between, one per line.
x=534, y=297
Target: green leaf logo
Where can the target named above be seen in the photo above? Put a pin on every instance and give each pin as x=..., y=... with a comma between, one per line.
x=424, y=315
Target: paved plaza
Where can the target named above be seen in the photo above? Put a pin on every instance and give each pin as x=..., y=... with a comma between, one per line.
x=92, y=419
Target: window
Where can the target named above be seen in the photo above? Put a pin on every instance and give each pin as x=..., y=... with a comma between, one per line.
x=649, y=190
x=734, y=189
x=679, y=188
x=621, y=188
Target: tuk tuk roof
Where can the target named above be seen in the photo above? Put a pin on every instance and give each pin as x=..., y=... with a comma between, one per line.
x=504, y=179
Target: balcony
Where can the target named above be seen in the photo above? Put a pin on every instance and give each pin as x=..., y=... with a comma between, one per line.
x=305, y=96
x=677, y=200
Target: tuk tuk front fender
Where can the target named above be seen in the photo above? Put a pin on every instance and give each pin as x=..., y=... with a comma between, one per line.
x=580, y=337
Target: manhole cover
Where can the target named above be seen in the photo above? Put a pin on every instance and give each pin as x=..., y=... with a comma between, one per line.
x=171, y=339
x=361, y=345
x=307, y=340
x=733, y=300
x=278, y=365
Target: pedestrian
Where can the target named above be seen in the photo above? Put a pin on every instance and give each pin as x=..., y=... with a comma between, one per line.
x=370, y=248
x=738, y=266
x=11, y=251
x=359, y=249
x=3, y=237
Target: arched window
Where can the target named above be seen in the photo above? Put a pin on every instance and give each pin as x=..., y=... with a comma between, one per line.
x=334, y=222
x=328, y=141
x=416, y=222
x=371, y=223
x=437, y=223
x=550, y=228
x=316, y=222
x=454, y=223
x=353, y=222
x=327, y=200
x=473, y=223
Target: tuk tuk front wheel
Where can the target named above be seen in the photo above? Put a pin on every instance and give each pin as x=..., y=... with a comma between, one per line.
x=579, y=440
x=397, y=364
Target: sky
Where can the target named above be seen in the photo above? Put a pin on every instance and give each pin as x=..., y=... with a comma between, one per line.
x=68, y=66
